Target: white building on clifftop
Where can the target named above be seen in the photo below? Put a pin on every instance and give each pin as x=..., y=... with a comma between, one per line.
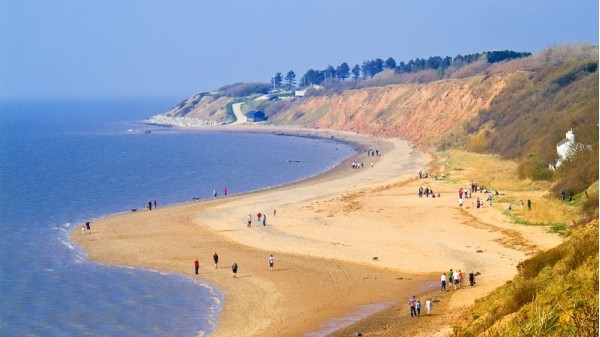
x=565, y=148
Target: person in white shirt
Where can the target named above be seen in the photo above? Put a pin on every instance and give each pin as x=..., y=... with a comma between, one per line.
x=271, y=262
x=443, y=279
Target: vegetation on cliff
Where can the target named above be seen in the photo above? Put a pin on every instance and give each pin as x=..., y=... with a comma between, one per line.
x=555, y=293
x=535, y=109
x=519, y=109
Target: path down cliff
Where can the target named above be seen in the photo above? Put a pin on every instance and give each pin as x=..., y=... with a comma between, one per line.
x=240, y=117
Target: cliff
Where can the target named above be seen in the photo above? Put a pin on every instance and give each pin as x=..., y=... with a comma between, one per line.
x=422, y=113
x=518, y=109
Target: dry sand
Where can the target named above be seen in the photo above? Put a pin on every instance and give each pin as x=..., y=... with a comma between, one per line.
x=341, y=240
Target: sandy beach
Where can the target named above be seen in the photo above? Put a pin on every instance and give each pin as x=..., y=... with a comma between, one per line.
x=342, y=240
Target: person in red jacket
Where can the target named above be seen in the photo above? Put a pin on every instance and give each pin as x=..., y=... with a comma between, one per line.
x=196, y=265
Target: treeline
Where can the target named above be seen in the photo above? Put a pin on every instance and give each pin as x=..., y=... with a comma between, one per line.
x=370, y=68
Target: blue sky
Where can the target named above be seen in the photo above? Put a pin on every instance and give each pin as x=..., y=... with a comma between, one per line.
x=67, y=49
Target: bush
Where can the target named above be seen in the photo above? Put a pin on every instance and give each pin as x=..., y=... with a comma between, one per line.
x=531, y=267
x=244, y=89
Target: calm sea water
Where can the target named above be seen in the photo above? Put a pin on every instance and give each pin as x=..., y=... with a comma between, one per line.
x=62, y=163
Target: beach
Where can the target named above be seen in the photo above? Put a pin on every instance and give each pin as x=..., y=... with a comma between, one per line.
x=342, y=240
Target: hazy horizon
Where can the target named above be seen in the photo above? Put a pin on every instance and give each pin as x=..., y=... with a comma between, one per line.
x=136, y=49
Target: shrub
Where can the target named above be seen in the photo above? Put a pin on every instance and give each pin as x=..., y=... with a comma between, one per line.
x=531, y=267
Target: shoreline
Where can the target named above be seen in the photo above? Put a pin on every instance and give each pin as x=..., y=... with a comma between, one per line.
x=328, y=257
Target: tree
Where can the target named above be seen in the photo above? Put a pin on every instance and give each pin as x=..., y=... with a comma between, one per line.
x=377, y=66
x=313, y=77
x=276, y=80
x=356, y=72
x=365, y=69
x=343, y=71
x=290, y=78
x=401, y=67
x=446, y=62
x=329, y=73
x=390, y=63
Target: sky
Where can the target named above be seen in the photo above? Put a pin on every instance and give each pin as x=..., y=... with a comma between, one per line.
x=77, y=49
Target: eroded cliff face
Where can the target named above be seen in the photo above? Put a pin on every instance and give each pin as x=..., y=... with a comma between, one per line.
x=426, y=114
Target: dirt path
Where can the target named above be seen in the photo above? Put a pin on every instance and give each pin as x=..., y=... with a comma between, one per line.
x=237, y=110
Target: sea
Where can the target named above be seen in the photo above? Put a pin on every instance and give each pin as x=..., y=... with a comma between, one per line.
x=66, y=162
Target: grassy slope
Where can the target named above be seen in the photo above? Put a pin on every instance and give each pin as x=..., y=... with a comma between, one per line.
x=555, y=293
x=533, y=113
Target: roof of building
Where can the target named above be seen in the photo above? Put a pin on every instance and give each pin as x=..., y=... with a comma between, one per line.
x=562, y=142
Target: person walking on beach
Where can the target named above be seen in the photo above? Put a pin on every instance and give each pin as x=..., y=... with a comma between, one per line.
x=419, y=308
x=428, y=306
x=87, y=226
x=196, y=266
x=149, y=205
x=154, y=204
x=264, y=219
x=471, y=278
x=274, y=212
x=271, y=262
x=214, y=193
x=413, y=310
x=455, y=277
x=529, y=204
x=225, y=191
x=443, y=279
x=249, y=219
x=216, y=259
x=234, y=268
x=258, y=216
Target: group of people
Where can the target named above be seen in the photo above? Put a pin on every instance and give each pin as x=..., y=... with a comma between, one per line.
x=521, y=204
x=373, y=153
x=427, y=192
x=260, y=217
x=224, y=192
x=424, y=175
x=234, y=266
x=415, y=307
x=455, y=278
x=150, y=204
x=563, y=195
x=357, y=165
x=464, y=193
x=85, y=228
